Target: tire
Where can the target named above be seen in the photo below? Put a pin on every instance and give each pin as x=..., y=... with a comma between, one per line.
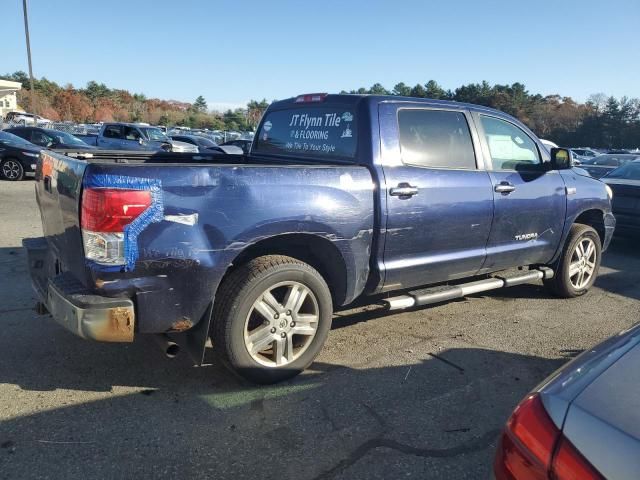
x=567, y=282
x=12, y=169
x=263, y=318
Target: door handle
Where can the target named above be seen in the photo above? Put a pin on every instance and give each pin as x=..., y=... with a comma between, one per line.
x=504, y=188
x=403, y=190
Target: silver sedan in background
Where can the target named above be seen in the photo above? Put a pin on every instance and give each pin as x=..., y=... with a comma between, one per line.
x=583, y=422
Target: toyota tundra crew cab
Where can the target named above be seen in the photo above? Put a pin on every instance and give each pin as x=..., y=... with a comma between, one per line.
x=417, y=201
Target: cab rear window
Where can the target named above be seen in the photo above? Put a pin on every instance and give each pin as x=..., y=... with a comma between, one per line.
x=323, y=132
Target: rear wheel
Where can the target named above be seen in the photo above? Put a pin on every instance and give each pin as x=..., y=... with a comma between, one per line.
x=272, y=318
x=579, y=264
x=12, y=169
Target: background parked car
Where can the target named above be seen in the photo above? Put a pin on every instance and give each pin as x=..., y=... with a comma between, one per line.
x=26, y=118
x=18, y=157
x=245, y=145
x=183, y=147
x=132, y=137
x=625, y=184
x=47, y=138
x=599, y=166
x=585, y=152
x=203, y=144
x=581, y=423
x=549, y=144
x=618, y=150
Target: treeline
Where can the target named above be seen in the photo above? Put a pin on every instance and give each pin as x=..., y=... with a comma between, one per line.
x=98, y=103
x=601, y=121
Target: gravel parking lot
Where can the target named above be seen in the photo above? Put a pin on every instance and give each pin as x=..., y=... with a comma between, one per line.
x=420, y=394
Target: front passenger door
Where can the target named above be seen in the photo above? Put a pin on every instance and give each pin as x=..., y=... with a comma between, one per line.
x=41, y=139
x=529, y=199
x=132, y=139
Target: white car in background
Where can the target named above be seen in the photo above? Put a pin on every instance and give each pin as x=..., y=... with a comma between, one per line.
x=183, y=147
x=549, y=144
x=26, y=118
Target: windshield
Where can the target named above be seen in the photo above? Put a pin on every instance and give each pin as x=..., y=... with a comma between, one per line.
x=11, y=139
x=631, y=171
x=205, y=142
x=65, y=138
x=154, y=134
x=314, y=131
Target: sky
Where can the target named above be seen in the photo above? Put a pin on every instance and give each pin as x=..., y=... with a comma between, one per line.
x=234, y=51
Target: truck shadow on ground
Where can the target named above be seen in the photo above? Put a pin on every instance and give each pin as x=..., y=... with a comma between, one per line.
x=620, y=275
x=424, y=415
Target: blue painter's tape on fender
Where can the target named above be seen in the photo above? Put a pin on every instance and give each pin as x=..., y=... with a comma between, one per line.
x=153, y=214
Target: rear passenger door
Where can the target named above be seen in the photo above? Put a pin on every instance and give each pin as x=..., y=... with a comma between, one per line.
x=438, y=196
x=529, y=199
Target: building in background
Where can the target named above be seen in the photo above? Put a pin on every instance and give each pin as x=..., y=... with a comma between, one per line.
x=8, y=101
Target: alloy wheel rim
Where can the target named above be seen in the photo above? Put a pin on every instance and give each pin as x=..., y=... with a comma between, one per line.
x=11, y=169
x=281, y=324
x=583, y=263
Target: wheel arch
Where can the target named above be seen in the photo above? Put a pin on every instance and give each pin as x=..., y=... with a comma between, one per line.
x=593, y=217
x=319, y=252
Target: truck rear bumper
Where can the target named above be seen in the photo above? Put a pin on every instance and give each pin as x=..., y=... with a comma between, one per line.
x=71, y=305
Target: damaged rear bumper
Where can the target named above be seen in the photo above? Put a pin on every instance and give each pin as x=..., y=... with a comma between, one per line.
x=87, y=315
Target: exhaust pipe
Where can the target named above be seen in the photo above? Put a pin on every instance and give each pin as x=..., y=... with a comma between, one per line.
x=168, y=346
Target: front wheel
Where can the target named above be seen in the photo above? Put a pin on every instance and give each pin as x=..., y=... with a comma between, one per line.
x=272, y=317
x=12, y=169
x=579, y=264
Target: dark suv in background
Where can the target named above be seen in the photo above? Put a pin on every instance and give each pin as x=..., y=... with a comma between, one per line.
x=48, y=138
x=18, y=158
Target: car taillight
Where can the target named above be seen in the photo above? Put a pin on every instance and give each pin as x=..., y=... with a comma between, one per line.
x=311, y=97
x=105, y=214
x=533, y=448
x=569, y=464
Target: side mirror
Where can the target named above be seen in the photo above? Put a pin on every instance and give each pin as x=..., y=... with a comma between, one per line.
x=561, y=159
x=140, y=140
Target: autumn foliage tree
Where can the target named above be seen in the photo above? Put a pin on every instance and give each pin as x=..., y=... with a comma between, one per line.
x=601, y=121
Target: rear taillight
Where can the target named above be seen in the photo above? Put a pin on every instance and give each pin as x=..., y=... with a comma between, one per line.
x=533, y=448
x=527, y=443
x=311, y=97
x=569, y=464
x=105, y=214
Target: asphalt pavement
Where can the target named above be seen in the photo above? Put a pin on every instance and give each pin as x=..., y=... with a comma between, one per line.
x=418, y=394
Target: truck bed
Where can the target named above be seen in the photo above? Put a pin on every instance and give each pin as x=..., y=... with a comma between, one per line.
x=208, y=209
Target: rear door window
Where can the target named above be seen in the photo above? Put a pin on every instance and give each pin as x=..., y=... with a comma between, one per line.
x=323, y=132
x=113, y=131
x=436, y=139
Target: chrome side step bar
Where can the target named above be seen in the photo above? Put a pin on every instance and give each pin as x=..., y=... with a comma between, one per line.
x=428, y=296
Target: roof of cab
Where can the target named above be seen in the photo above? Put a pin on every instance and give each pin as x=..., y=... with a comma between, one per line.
x=352, y=98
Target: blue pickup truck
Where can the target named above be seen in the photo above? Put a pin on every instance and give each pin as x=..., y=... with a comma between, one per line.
x=133, y=136
x=415, y=201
